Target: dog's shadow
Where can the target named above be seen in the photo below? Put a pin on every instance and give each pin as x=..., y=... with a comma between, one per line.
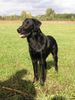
x=17, y=88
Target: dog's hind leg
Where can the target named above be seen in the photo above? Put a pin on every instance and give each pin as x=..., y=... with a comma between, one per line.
x=56, y=62
x=55, y=57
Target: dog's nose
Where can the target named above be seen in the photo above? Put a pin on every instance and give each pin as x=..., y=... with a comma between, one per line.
x=18, y=30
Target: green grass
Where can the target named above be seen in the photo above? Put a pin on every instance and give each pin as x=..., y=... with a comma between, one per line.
x=16, y=68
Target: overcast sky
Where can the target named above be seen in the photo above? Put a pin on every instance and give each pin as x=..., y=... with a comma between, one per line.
x=36, y=7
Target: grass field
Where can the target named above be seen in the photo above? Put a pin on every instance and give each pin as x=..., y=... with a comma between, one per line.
x=16, y=68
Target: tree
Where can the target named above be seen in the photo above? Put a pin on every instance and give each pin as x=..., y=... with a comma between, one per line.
x=23, y=14
x=50, y=14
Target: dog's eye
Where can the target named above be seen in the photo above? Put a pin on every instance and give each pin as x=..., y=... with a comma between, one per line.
x=27, y=22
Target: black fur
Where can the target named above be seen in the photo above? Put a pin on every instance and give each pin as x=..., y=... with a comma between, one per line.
x=40, y=46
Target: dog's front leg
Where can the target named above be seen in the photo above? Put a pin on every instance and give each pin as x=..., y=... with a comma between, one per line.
x=42, y=75
x=35, y=68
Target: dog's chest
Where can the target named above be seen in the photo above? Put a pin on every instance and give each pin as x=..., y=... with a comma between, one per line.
x=35, y=43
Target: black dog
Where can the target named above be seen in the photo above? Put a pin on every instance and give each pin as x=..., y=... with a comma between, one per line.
x=39, y=46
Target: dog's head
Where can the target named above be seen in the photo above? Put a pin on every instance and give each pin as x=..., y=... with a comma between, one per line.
x=28, y=25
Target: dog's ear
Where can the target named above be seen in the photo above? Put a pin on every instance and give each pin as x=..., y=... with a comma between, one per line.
x=37, y=23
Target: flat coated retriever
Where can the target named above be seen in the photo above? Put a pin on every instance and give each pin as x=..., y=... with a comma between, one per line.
x=40, y=46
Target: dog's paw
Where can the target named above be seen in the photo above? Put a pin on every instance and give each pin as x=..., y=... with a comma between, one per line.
x=41, y=82
x=35, y=79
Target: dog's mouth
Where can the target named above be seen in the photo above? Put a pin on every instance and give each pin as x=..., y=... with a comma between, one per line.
x=24, y=34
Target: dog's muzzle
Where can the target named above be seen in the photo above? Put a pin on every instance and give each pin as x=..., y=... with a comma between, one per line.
x=22, y=33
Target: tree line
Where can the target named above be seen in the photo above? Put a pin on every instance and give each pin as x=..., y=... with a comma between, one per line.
x=49, y=15
x=22, y=16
